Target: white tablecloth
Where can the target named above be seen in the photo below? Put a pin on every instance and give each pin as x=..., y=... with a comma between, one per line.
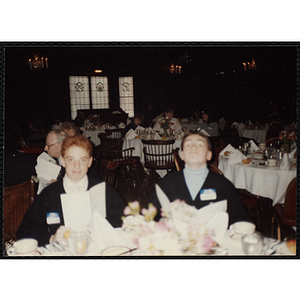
x=93, y=134
x=259, y=135
x=138, y=151
x=269, y=182
x=230, y=247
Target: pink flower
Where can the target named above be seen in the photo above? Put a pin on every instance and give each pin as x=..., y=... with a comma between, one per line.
x=207, y=244
x=280, y=137
x=127, y=211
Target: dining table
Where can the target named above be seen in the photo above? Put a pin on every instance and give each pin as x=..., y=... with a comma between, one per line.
x=93, y=135
x=259, y=135
x=259, y=178
x=230, y=247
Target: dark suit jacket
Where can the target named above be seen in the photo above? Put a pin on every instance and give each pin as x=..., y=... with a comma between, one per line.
x=34, y=224
x=174, y=186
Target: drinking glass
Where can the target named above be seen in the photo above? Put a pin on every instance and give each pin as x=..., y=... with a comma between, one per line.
x=78, y=242
x=252, y=243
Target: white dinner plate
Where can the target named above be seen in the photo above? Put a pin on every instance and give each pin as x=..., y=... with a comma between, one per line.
x=283, y=250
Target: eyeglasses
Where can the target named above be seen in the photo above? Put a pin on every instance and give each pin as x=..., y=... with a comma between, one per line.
x=52, y=145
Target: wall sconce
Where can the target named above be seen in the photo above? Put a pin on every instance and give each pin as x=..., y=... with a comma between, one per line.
x=175, y=69
x=38, y=62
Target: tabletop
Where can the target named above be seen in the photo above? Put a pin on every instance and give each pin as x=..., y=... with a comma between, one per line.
x=93, y=134
x=261, y=180
x=231, y=246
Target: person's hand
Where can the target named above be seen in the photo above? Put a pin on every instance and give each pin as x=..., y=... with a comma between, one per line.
x=59, y=234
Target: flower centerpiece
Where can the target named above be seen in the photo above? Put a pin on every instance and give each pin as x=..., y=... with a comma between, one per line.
x=165, y=124
x=92, y=121
x=179, y=231
x=287, y=139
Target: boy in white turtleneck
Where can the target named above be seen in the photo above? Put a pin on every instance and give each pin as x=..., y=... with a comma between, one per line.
x=197, y=185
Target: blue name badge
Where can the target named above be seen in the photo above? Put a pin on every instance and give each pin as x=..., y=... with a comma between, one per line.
x=208, y=194
x=53, y=218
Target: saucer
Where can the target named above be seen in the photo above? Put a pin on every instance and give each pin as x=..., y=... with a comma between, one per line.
x=39, y=252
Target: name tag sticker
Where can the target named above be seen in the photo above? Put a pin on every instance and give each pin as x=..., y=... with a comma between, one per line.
x=208, y=194
x=53, y=218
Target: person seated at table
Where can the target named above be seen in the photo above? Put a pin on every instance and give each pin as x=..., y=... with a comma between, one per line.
x=136, y=121
x=69, y=128
x=160, y=115
x=197, y=185
x=210, y=124
x=174, y=122
x=76, y=157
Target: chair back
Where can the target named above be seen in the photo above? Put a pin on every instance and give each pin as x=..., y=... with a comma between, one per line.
x=17, y=199
x=290, y=207
x=114, y=133
x=109, y=143
x=110, y=171
x=179, y=163
x=215, y=169
x=158, y=154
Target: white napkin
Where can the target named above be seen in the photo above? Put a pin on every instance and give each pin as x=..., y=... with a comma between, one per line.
x=162, y=197
x=227, y=148
x=157, y=136
x=103, y=235
x=207, y=211
x=121, y=125
x=241, y=126
x=203, y=131
x=218, y=224
x=285, y=162
x=236, y=157
x=253, y=146
x=103, y=127
x=131, y=134
x=291, y=155
x=139, y=128
x=250, y=123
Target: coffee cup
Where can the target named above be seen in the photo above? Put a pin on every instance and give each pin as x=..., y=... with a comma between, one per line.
x=24, y=247
x=262, y=146
x=240, y=228
x=271, y=162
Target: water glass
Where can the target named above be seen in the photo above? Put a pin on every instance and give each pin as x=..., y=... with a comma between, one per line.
x=79, y=242
x=252, y=243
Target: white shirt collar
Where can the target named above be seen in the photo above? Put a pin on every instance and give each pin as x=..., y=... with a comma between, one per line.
x=78, y=187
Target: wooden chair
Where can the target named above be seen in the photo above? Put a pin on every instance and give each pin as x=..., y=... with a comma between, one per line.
x=215, y=169
x=158, y=155
x=114, y=133
x=179, y=163
x=286, y=214
x=108, y=171
x=17, y=199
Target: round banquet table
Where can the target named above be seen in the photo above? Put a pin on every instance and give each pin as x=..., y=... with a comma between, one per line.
x=138, y=150
x=259, y=135
x=269, y=182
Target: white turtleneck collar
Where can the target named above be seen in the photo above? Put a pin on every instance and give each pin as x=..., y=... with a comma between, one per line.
x=78, y=187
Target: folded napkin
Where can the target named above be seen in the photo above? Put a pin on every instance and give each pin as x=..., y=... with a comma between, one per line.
x=236, y=157
x=218, y=224
x=227, y=148
x=253, y=147
x=121, y=125
x=285, y=162
x=139, y=128
x=103, y=235
x=291, y=155
x=103, y=127
x=157, y=136
x=178, y=130
x=162, y=197
x=203, y=131
x=131, y=134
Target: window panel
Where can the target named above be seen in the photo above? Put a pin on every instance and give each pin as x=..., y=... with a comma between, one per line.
x=79, y=93
x=99, y=91
x=126, y=95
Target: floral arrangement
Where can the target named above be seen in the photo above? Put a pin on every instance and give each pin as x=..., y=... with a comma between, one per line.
x=92, y=121
x=287, y=139
x=179, y=231
x=165, y=123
